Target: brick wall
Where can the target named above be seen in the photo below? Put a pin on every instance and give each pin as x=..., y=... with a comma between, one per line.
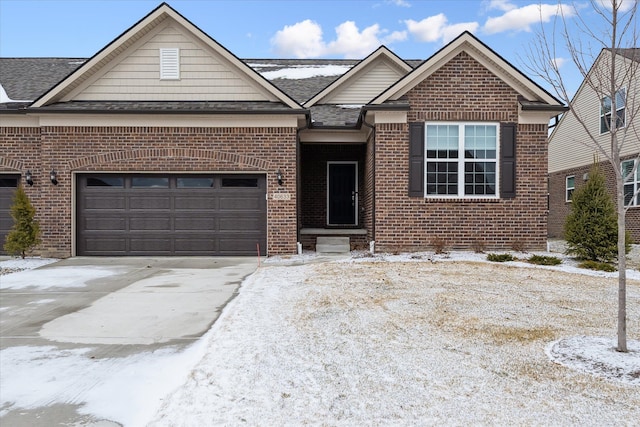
x=559, y=208
x=462, y=90
x=140, y=149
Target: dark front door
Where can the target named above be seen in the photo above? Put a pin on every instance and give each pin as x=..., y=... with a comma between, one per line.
x=342, y=193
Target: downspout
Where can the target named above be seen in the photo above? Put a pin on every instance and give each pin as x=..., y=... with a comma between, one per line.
x=373, y=184
x=299, y=184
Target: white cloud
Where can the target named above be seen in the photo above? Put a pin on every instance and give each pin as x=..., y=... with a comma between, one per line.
x=521, y=19
x=302, y=40
x=305, y=40
x=436, y=28
x=401, y=3
x=559, y=62
x=504, y=5
x=623, y=5
x=350, y=42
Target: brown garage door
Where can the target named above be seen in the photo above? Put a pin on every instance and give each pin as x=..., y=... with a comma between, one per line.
x=8, y=185
x=171, y=214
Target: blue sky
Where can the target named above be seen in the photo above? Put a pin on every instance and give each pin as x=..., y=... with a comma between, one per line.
x=413, y=29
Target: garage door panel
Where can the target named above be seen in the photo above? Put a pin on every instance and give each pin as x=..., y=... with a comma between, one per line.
x=105, y=246
x=195, y=202
x=195, y=245
x=8, y=185
x=231, y=203
x=240, y=224
x=106, y=202
x=149, y=202
x=171, y=214
x=149, y=245
x=195, y=223
x=104, y=223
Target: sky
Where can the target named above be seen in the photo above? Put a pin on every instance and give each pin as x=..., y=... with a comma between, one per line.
x=252, y=29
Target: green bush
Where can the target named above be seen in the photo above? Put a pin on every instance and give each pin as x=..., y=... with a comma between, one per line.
x=25, y=233
x=544, y=260
x=597, y=265
x=591, y=229
x=500, y=257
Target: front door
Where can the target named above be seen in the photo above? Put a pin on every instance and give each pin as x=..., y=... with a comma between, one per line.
x=342, y=193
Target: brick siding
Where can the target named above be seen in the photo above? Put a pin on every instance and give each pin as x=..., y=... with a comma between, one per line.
x=461, y=90
x=559, y=208
x=153, y=149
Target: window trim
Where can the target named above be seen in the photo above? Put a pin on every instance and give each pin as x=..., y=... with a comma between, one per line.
x=462, y=160
x=618, y=108
x=568, y=197
x=634, y=180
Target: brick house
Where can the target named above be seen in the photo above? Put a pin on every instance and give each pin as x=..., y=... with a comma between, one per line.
x=570, y=159
x=165, y=143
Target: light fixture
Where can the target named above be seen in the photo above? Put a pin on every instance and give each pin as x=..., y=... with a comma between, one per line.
x=29, y=178
x=54, y=177
x=279, y=177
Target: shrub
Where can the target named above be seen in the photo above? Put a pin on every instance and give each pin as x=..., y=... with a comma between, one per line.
x=597, y=265
x=25, y=233
x=544, y=260
x=479, y=246
x=500, y=257
x=591, y=229
x=439, y=245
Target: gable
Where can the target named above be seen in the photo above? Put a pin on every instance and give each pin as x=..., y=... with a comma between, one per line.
x=202, y=73
x=364, y=81
x=128, y=69
x=370, y=82
x=481, y=53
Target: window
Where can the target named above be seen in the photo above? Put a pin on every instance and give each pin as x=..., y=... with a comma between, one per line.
x=240, y=182
x=105, y=182
x=170, y=64
x=571, y=186
x=149, y=182
x=631, y=183
x=605, y=111
x=461, y=160
x=195, y=182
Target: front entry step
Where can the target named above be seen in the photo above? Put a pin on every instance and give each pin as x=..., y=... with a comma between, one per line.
x=332, y=245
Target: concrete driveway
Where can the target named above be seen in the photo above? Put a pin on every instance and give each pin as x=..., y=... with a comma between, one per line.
x=116, y=307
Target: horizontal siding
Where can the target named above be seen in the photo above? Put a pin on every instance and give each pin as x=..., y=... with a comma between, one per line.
x=204, y=75
x=570, y=147
x=367, y=86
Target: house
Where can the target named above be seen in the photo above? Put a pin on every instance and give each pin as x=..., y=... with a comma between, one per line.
x=166, y=143
x=570, y=159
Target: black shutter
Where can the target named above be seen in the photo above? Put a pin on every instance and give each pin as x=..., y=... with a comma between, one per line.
x=416, y=159
x=508, y=160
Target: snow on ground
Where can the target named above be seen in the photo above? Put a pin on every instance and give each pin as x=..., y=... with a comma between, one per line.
x=368, y=340
x=13, y=265
x=64, y=277
x=406, y=343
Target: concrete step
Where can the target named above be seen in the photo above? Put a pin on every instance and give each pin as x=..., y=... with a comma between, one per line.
x=332, y=245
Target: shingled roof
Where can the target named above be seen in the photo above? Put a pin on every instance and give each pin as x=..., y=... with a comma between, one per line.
x=26, y=79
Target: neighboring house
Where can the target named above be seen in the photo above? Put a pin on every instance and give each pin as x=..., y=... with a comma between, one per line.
x=166, y=143
x=572, y=153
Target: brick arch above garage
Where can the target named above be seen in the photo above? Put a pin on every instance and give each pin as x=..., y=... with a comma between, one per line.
x=8, y=164
x=169, y=156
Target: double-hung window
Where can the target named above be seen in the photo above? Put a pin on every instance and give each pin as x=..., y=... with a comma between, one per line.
x=570, y=187
x=631, y=182
x=605, y=111
x=461, y=160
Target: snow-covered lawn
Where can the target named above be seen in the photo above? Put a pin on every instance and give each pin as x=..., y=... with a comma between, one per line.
x=387, y=340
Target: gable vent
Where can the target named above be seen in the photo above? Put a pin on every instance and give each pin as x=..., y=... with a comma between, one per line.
x=169, y=63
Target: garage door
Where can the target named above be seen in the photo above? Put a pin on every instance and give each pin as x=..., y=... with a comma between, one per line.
x=171, y=214
x=8, y=185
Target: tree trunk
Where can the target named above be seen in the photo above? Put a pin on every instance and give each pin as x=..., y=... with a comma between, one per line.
x=622, y=269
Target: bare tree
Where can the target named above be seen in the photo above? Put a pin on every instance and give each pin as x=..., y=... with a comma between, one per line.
x=612, y=46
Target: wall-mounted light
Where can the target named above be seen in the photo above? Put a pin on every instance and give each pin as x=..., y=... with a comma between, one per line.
x=279, y=177
x=29, y=178
x=54, y=177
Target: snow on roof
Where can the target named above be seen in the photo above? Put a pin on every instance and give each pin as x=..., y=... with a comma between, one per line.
x=297, y=72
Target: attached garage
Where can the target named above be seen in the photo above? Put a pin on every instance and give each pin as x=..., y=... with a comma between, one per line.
x=170, y=214
x=8, y=185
